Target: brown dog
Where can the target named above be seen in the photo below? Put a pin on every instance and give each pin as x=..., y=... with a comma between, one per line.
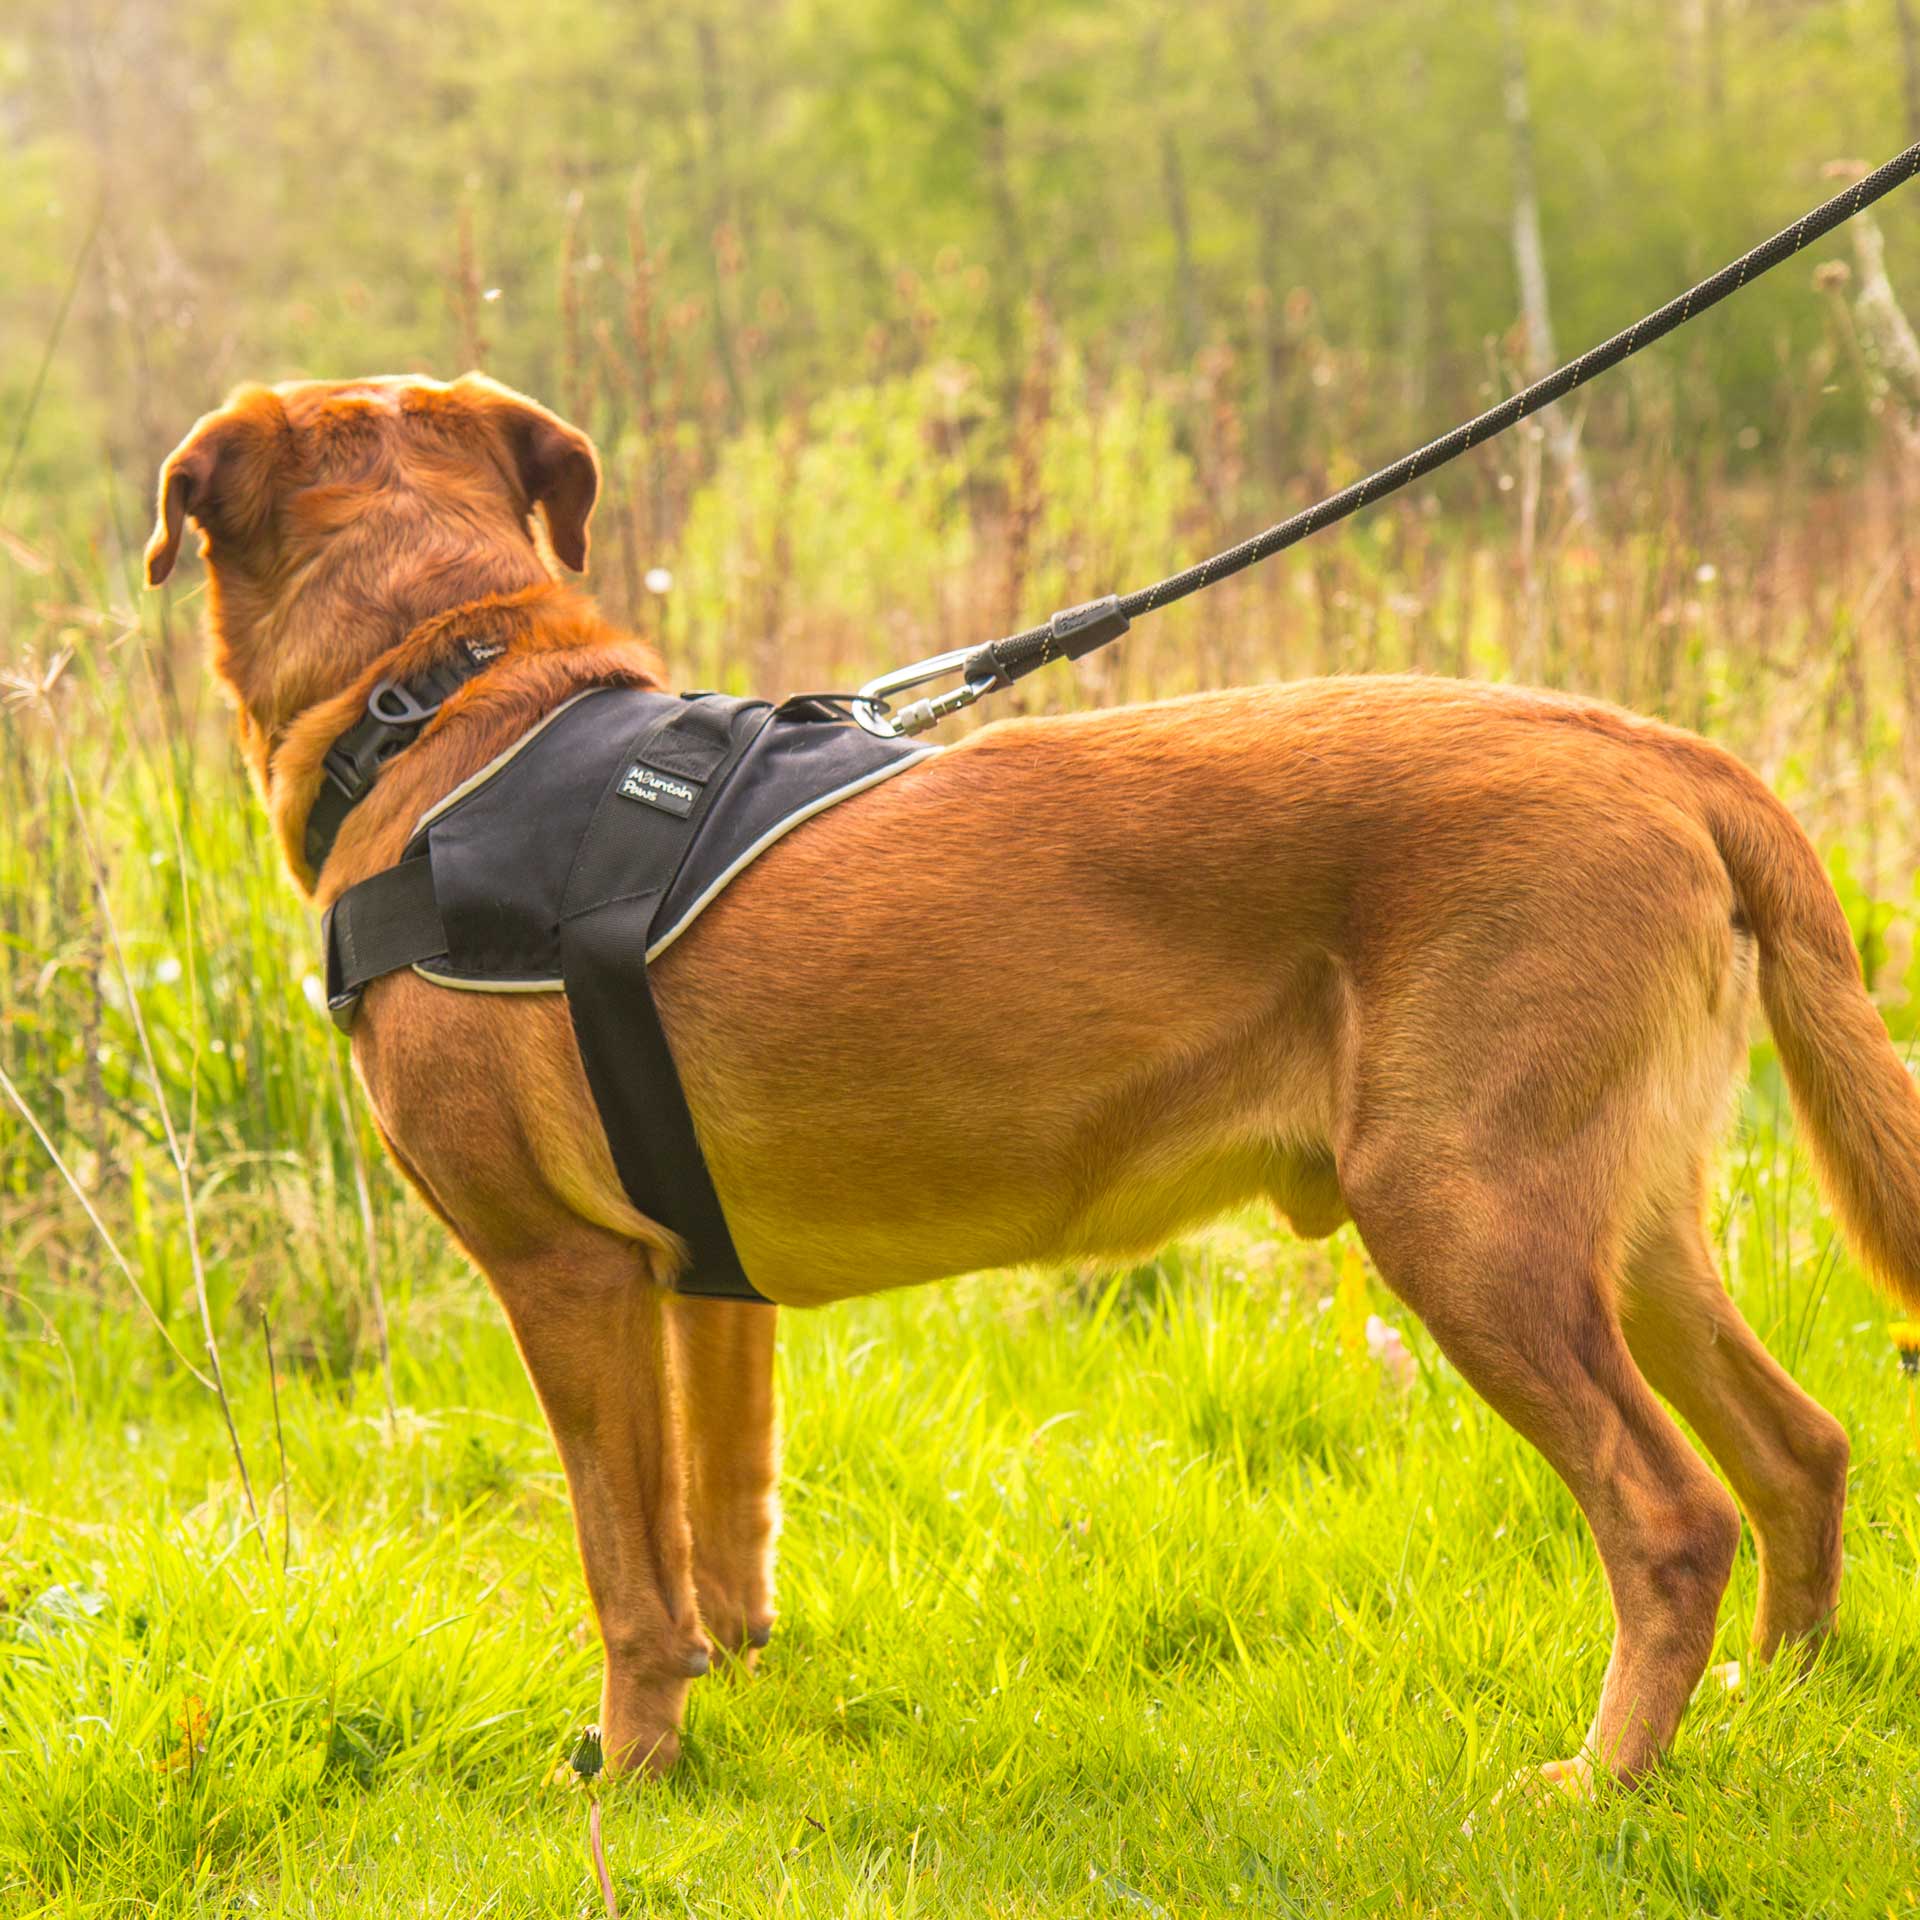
x=1469, y=966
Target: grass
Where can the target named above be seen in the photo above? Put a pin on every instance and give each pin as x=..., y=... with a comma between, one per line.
x=1145, y=1594
x=1106, y=1593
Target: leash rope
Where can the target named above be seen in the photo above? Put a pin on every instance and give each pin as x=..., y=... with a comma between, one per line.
x=1079, y=630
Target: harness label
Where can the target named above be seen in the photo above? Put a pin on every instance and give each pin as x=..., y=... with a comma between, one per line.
x=652, y=788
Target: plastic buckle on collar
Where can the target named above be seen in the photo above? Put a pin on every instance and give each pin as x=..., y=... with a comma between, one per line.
x=342, y=768
x=391, y=702
x=394, y=717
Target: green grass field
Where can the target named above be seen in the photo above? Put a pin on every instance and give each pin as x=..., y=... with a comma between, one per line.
x=1132, y=1593
x=1135, y=1595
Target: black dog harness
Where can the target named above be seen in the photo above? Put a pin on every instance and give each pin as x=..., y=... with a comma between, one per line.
x=575, y=858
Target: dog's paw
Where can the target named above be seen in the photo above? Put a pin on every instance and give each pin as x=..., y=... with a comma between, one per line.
x=651, y=1758
x=737, y=1640
x=1573, y=1778
x=1554, y=1783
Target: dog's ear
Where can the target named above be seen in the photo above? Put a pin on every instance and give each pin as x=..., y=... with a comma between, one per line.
x=185, y=480
x=219, y=475
x=557, y=465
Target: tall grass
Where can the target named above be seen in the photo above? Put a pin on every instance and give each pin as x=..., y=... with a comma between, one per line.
x=1063, y=1562
x=861, y=534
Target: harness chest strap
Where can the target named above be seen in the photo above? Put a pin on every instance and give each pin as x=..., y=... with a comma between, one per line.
x=380, y=926
x=397, y=919
x=580, y=854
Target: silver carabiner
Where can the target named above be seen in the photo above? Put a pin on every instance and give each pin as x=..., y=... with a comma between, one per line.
x=872, y=706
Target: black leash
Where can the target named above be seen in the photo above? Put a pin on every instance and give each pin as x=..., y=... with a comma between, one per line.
x=1079, y=630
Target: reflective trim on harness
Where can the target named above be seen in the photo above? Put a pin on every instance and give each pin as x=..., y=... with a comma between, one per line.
x=578, y=855
x=458, y=985
x=448, y=802
x=767, y=839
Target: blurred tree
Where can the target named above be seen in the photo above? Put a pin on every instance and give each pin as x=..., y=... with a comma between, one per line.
x=836, y=192
x=1530, y=269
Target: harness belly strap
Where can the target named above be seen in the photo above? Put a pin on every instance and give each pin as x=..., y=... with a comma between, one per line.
x=591, y=843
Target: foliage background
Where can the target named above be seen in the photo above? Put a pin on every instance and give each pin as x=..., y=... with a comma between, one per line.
x=832, y=194
x=899, y=324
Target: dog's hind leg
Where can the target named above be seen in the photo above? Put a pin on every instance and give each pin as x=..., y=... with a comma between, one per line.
x=1785, y=1454
x=1512, y=1283
x=723, y=1368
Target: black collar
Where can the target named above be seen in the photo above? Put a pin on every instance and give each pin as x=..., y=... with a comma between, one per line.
x=396, y=712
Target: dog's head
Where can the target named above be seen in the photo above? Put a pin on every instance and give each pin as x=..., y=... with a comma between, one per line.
x=337, y=514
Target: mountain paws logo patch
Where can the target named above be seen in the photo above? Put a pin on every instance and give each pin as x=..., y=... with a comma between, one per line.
x=668, y=791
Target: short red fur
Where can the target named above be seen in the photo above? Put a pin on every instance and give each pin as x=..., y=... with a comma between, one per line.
x=1472, y=967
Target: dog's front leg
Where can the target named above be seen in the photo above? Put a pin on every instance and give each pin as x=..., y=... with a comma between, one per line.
x=723, y=1372
x=592, y=1330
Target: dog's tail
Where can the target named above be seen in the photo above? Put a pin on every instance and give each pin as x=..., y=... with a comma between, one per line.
x=1854, y=1100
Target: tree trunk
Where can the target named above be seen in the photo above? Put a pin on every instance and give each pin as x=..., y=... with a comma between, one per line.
x=723, y=236
x=1418, y=359
x=1530, y=265
x=1013, y=282
x=1909, y=64
x=1280, y=454
x=1893, y=360
x=1714, y=34
x=1186, y=298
